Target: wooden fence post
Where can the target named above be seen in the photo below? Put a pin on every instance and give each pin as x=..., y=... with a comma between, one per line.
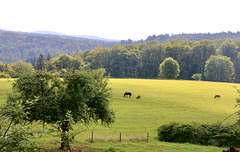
x=120, y=136
x=147, y=136
x=92, y=137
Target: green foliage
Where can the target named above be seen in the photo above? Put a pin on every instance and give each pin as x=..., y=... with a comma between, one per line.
x=13, y=134
x=152, y=55
x=66, y=62
x=169, y=68
x=82, y=96
x=4, y=75
x=110, y=150
x=175, y=132
x=205, y=134
x=219, y=68
x=197, y=76
x=21, y=68
x=6, y=70
x=201, y=53
x=124, y=61
x=137, y=60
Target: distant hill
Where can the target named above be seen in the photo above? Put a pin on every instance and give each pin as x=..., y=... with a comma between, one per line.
x=166, y=38
x=92, y=38
x=15, y=46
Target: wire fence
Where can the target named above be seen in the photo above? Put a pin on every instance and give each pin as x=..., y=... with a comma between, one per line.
x=121, y=137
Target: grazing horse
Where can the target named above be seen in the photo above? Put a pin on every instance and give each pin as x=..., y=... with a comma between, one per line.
x=231, y=149
x=138, y=97
x=128, y=94
x=217, y=96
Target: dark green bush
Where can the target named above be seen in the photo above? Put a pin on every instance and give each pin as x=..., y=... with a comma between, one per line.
x=204, y=134
x=4, y=75
x=182, y=133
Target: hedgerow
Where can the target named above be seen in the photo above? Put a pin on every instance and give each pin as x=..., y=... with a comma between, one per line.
x=204, y=134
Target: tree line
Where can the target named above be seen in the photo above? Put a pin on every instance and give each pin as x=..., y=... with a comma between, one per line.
x=166, y=38
x=140, y=60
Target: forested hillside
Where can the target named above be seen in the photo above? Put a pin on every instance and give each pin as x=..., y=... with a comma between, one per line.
x=15, y=46
x=166, y=38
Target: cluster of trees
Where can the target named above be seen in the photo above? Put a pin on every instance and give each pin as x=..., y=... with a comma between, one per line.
x=58, y=65
x=142, y=60
x=206, y=59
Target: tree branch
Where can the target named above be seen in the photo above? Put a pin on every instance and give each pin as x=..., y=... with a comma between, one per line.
x=228, y=117
x=8, y=128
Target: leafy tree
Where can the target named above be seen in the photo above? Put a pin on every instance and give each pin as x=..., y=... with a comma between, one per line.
x=152, y=55
x=4, y=75
x=219, y=68
x=201, y=53
x=169, y=68
x=98, y=58
x=197, y=76
x=65, y=61
x=228, y=48
x=124, y=61
x=182, y=53
x=4, y=70
x=82, y=96
x=22, y=67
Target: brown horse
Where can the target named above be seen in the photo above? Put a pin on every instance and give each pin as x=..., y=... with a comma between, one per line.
x=231, y=149
x=138, y=97
x=127, y=94
x=217, y=96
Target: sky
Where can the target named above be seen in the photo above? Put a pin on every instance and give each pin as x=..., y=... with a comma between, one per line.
x=120, y=19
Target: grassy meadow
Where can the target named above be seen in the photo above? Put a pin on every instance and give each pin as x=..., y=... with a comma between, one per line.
x=162, y=102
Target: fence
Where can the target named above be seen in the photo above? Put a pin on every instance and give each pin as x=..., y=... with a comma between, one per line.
x=120, y=138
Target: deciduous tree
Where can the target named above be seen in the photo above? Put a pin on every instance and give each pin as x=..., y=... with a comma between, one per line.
x=219, y=68
x=22, y=67
x=82, y=96
x=169, y=69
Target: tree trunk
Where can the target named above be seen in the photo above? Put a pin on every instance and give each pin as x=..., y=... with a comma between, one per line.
x=65, y=137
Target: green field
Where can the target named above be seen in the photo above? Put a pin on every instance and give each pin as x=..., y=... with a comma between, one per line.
x=162, y=102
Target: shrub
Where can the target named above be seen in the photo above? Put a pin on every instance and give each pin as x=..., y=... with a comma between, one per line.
x=175, y=132
x=197, y=76
x=204, y=134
